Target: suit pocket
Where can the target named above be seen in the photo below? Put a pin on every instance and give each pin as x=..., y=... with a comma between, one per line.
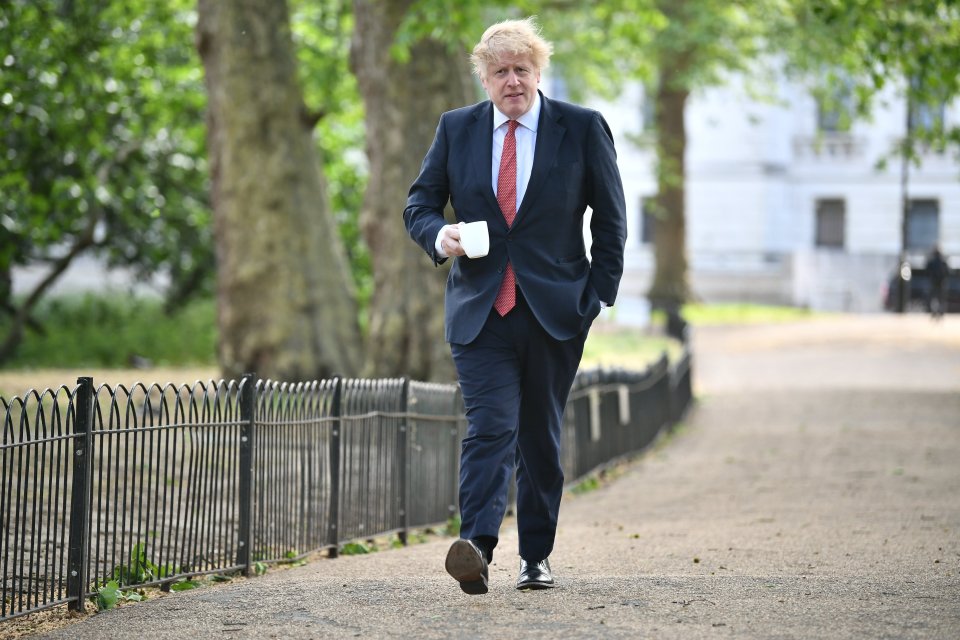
x=574, y=258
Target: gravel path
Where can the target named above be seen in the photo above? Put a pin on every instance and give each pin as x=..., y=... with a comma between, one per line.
x=814, y=492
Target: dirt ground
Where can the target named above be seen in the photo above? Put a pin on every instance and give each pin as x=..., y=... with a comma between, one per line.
x=813, y=491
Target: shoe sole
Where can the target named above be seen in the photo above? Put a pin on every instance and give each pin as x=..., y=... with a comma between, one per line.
x=535, y=586
x=466, y=567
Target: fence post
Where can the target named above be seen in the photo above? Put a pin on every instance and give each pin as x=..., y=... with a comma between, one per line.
x=80, y=495
x=333, y=534
x=404, y=462
x=248, y=394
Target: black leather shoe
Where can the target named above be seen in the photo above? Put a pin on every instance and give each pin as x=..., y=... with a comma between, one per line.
x=535, y=575
x=465, y=562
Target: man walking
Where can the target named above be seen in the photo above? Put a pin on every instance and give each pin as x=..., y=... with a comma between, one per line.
x=517, y=318
x=938, y=271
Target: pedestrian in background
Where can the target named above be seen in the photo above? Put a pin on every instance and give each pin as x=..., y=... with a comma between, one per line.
x=938, y=271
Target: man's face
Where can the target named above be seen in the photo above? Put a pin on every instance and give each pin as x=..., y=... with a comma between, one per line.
x=511, y=83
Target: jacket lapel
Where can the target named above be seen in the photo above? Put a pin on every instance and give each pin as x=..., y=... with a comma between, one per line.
x=549, y=135
x=480, y=141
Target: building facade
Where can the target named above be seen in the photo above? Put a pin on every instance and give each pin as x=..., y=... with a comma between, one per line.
x=785, y=203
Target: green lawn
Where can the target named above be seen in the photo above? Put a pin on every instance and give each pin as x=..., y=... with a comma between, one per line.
x=626, y=348
x=742, y=313
x=103, y=335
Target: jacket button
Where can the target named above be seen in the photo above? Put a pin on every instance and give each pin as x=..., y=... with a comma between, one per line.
x=500, y=270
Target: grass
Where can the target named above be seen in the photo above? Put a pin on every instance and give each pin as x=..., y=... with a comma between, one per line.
x=103, y=336
x=742, y=313
x=114, y=338
x=116, y=331
x=627, y=348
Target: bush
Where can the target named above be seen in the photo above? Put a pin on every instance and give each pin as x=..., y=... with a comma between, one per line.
x=116, y=331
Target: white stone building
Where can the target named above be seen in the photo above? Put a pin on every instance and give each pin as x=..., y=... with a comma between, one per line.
x=784, y=208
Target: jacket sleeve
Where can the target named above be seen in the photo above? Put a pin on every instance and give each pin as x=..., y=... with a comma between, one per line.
x=428, y=196
x=608, y=223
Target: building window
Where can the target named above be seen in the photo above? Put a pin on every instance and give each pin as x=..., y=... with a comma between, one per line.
x=830, y=223
x=835, y=111
x=923, y=225
x=647, y=219
x=926, y=115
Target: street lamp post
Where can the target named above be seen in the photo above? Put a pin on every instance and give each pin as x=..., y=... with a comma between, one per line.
x=903, y=270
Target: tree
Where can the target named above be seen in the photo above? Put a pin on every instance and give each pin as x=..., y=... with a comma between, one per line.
x=285, y=299
x=700, y=41
x=675, y=47
x=404, y=95
x=870, y=44
x=102, y=128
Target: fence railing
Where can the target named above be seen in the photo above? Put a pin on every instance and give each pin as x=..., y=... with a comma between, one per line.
x=151, y=484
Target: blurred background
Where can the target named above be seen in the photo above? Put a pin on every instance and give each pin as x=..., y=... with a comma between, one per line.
x=220, y=185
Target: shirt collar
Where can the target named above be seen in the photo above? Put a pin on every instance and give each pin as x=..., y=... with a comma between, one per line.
x=528, y=120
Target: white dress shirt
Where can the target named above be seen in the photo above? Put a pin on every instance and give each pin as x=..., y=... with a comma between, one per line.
x=526, y=135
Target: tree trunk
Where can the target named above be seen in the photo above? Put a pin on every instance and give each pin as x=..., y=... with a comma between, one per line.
x=670, y=287
x=403, y=104
x=285, y=301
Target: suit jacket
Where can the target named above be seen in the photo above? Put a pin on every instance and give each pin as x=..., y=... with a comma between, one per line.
x=574, y=166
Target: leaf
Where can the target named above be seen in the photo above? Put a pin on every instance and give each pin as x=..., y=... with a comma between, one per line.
x=353, y=549
x=184, y=585
x=107, y=595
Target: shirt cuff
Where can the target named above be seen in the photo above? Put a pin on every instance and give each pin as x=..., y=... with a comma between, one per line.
x=438, y=247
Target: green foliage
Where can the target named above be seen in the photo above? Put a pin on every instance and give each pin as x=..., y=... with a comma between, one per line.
x=356, y=548
x=291, y=555
x=108, y=331
x=141, y=569
x=321, y=33
x=260, y=567
x=184, y=585
x=102, y=120
x=861, y=47
x=456, y=23
x=452, y=528
x=588, y=484
x=108, y=595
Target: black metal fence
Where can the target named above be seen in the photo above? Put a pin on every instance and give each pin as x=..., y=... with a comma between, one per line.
x=150, y=484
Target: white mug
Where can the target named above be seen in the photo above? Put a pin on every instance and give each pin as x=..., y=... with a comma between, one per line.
x=475, y=238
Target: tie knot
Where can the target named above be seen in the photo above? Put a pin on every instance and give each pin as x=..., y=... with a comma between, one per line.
x=512, y=124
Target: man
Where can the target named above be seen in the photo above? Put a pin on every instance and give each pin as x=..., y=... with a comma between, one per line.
x=517, y=318
x=938, y=271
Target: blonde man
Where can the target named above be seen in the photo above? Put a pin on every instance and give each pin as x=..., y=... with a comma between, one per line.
x=517, y=317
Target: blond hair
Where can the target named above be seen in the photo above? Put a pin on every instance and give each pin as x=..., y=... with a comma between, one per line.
x=511, y=37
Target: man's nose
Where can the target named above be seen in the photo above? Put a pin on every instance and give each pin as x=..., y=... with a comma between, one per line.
x=512, y=77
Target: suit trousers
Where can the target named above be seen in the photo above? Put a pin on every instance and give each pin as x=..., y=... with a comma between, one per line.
x=515, y=380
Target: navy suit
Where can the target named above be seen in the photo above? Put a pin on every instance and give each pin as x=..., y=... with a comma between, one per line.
x=515, y=371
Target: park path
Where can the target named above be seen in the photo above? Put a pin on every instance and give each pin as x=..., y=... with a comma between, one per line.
x=813, y=492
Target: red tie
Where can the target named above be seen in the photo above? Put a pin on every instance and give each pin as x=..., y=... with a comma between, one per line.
x=507, y=199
